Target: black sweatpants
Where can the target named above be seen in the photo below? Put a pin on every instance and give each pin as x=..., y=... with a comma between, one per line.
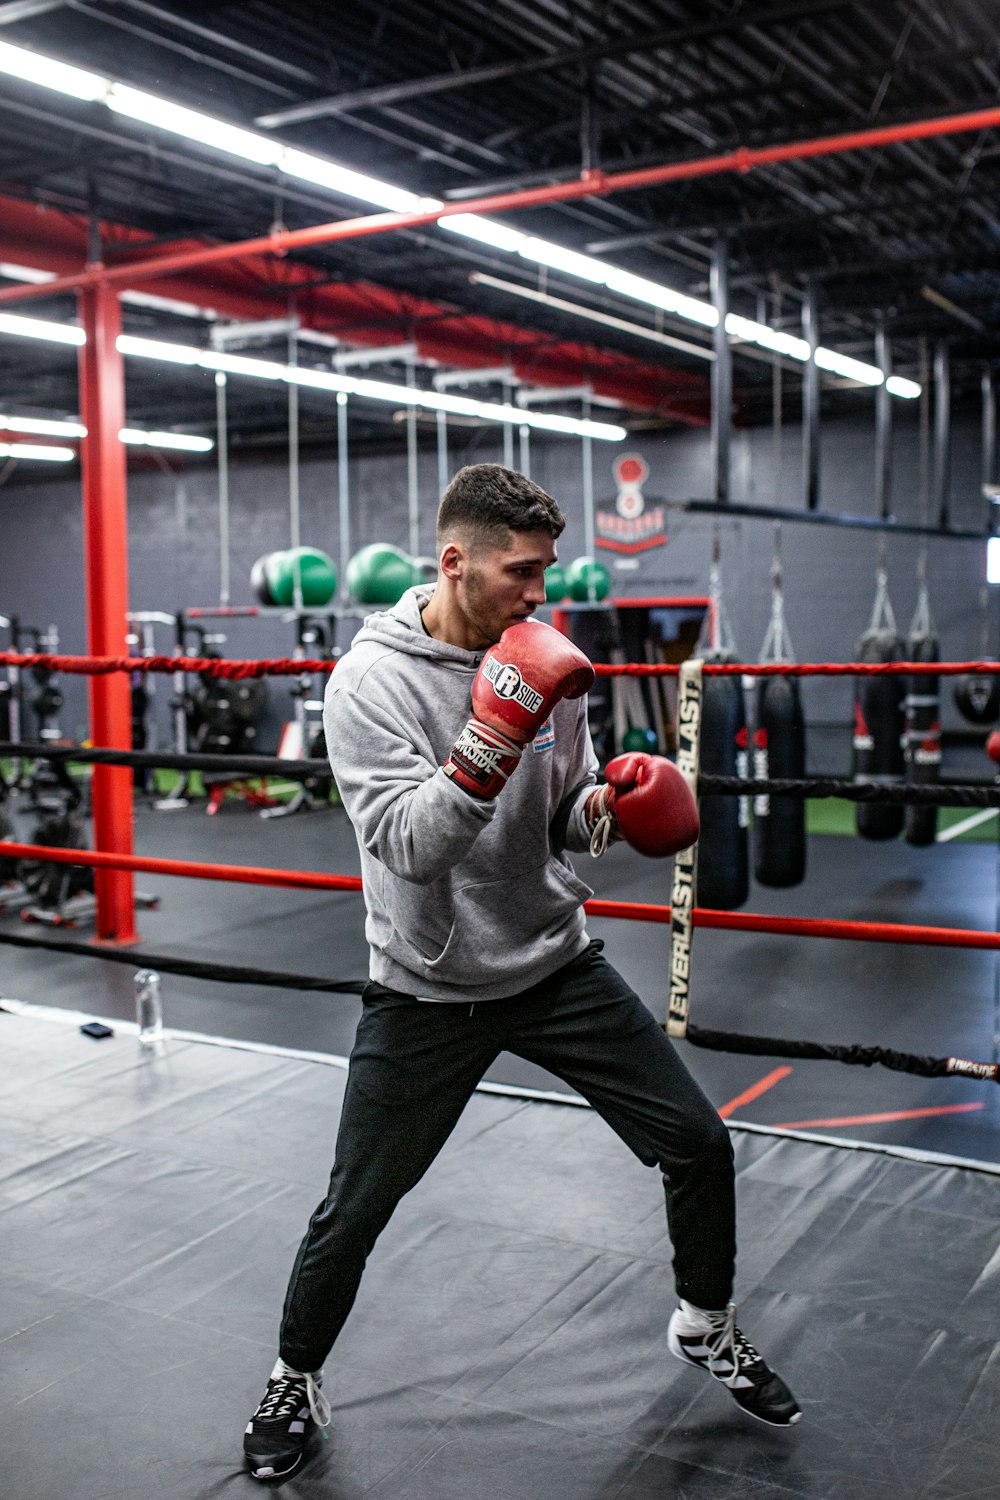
x=415, y=1065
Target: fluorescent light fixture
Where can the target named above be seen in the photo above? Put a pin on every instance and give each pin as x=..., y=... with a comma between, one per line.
x=330, y=174
x=993, y=560
x=372, y=390
x=560, y=259
x=168, y=305
x=182, y=441
x=241, y=364
x=25, y=273
x=486, y=231
x=42, y=426
x=40, y=451
x=193, y=125
x=34, y=67
x=263, y=150
x=651, y=292
x=53, y=427
x=767, y=338
x=41, y=328
x=174, y=354
x=850, y=369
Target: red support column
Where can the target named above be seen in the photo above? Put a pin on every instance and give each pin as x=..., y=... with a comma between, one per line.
x=105, y=533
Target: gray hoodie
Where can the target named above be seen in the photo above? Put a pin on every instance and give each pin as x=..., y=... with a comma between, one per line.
x=467, y=900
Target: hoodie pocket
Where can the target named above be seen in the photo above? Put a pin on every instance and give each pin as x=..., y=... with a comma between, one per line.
x=501, y=928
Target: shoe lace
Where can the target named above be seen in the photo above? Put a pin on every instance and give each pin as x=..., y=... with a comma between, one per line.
x=285, y=1393
x=282, y=1399
x=727, y=1341
x=319, y=1407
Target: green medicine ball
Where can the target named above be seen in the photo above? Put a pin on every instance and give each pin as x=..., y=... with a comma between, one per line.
x=640, y=739
x=587, y=579
x=317, y=572
x=555, y=584
x=258, y=579
x=380, y=574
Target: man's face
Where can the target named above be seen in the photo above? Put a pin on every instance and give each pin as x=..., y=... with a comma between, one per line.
x=501, y=585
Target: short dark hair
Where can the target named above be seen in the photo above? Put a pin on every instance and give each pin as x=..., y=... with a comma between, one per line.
x=488, y=500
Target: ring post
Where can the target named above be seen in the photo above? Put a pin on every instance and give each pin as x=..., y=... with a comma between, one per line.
x=105, y=535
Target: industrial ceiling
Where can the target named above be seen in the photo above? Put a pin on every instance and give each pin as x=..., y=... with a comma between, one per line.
x=457, y=103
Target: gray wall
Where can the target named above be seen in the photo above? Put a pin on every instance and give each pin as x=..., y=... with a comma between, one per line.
x=829, y=573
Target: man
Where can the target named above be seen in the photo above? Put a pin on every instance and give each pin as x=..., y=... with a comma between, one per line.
x=477, y=936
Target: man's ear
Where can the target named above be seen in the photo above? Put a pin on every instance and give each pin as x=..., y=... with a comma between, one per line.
x=454, y=560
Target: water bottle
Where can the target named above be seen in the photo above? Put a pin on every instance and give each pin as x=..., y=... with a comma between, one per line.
x=148, y=1008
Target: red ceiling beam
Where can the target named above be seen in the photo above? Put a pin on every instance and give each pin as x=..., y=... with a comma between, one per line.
x=589, y=184
x=361, y=313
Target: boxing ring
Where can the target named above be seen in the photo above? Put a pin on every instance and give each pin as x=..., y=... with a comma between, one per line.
x=510, y=1337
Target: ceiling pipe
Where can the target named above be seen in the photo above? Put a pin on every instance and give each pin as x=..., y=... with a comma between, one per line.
x=590, y=184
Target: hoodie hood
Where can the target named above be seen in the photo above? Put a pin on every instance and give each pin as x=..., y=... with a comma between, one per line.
x=402, y=629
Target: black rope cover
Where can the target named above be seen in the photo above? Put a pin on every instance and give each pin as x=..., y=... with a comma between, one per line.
x=856, y=1056
x=943, y=794
x=699, y=1036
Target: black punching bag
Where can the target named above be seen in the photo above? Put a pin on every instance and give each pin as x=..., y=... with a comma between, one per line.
x=723, y=852
x=977, y=698
x=878, y=734
x=779, y=823
x=923, y=735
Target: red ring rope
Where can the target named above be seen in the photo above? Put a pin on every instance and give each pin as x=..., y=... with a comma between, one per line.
x=286, y=666
x=629, y=911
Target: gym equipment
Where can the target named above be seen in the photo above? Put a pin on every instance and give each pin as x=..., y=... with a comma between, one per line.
x=555, y=584
x=304, y=569
x=723, y=853
x=381, y=574
x=222, y=713
x=922, y=708
x=48, y=699
x=302, y=738
x=59, y=895
x=723, y=848
x=274, y=576
x=878, y=717
x=977, y=697
x=258, y=579
x=10, y=685
x=143, y=696
x=779, y=751
x=587, y=579
x=641, y=739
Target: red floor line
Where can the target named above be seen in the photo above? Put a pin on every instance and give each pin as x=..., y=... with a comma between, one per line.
x=895, y=1114
x=754, y=1091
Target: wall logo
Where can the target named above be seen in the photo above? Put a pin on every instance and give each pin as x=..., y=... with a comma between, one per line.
x=630, y=527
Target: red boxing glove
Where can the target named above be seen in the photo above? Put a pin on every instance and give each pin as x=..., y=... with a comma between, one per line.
x=645, y=801
x=519, y=681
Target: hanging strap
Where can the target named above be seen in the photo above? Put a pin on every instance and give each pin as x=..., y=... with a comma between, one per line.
x=777, y=645
x=716, y=638
x=922, y=622
x=882, y=615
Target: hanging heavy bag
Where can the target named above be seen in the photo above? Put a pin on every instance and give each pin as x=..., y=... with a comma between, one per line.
x=878, y=734
x=779, y=823
x=923, y=736
x=723, y=853
x=977, y=697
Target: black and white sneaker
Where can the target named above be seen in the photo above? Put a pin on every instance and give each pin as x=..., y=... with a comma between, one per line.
x=712, y=1341
x=276, y=1434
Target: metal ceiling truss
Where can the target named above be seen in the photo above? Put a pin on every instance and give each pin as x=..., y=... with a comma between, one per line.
x=510, y=94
